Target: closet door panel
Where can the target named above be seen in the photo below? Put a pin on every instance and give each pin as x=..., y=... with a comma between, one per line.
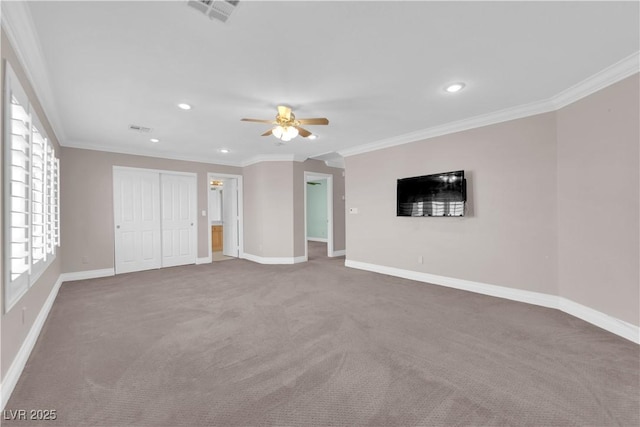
x=179, y=207
x=136, y=203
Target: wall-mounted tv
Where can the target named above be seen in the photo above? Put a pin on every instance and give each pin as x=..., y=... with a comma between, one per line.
x=440, y=194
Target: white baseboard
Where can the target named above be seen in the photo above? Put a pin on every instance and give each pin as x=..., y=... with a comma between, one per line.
x=341, y=252
x=89, y=274
x=597, y=318
x=17, y=366
x=204, y=260
x=273, y=260
x=317, y=239
x=600, y=319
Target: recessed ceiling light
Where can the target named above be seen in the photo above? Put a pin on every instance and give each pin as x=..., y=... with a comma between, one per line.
x=312, y=136
x=224, y=150
x=455, y=87
x=184, y=106
x=154, y=140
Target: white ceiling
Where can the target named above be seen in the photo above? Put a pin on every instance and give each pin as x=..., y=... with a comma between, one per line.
x=376, y=70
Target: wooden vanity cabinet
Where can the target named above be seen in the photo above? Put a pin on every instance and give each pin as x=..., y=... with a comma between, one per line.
x=216, y=238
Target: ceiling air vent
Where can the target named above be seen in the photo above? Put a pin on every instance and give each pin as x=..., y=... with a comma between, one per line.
x=215, y=9
x=141, y=129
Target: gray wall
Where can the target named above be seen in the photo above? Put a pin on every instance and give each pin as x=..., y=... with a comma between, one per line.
x=14, y=330
x=274, y=207
x=553, y=204
x=508, y=235
x=268, y=209
x=87, y=203
x=273, y=211
x=300, y=168
x=598, y=207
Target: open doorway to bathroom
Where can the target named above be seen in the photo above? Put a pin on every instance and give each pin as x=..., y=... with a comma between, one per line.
x=225, y=216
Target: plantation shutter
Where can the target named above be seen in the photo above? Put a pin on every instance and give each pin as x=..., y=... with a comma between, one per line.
x=32, y=194
x=18, y=157
x=38, y=198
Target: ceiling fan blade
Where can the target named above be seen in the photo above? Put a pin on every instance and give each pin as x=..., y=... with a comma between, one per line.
x=302, y=132
x=284, y=112
x=257, y=121
x=267, y=133
x=318, y=121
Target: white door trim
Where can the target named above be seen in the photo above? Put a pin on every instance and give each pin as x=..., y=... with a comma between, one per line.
x=214, y=175
x=312, y=176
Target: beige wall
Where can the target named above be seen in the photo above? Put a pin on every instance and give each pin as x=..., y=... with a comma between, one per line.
x=338, y=203
x=274, y=207
x=270, y=219
x=598, y=202
x=553, y=204
x=268, y=209
x=254, y=184
x=14, y=330
x=508, y=235
x=87, y=203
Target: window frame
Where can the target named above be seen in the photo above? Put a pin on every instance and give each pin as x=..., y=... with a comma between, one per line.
x=48, y=199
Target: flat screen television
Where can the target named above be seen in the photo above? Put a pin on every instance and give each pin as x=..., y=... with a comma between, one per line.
x=440, y=194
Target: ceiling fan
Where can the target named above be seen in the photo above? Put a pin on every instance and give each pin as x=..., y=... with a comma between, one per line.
x=287, y=126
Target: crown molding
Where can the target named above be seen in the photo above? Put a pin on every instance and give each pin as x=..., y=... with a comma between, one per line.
x=339, y=164
x=18, y=25
x=178, y=156
x=610, y=75
x=144, y=153
x=272, y=158
x=330, y=158
x=453, y=127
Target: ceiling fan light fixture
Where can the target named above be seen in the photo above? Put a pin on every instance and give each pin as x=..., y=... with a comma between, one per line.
x=291, y=132
x=284, y=133
x=278, y=131
x=287, y=126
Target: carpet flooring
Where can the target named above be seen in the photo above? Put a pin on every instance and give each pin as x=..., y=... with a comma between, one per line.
x=317, y=344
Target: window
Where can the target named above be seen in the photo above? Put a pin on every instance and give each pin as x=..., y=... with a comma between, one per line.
x=32, y=202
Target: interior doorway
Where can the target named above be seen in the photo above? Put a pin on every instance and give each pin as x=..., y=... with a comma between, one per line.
x=225, y=216
x=318, y=212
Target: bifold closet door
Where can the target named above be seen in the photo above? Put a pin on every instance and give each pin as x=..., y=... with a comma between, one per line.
x=178, y=201
x=136, y=200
